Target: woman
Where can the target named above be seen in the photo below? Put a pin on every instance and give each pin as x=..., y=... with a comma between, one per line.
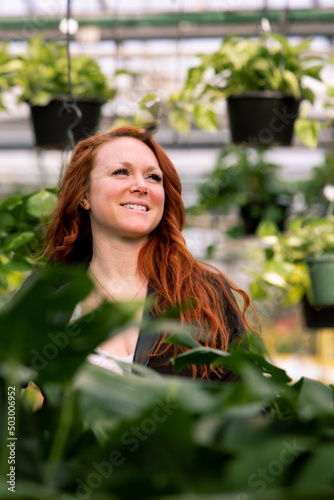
x=120, y=211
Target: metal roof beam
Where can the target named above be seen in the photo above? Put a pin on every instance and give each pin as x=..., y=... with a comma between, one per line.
x=185, y=25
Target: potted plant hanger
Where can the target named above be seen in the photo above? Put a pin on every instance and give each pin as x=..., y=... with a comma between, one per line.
x=43, y=77
x=263, y=82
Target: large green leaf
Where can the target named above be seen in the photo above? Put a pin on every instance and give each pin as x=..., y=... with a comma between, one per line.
x=106, y=395
x=150, y=436
x=256, y=344
x=41, y=204
x=317, y=474
x=18, y=240
x=10, y=203
x=35, y=325
x=183, y=337
x=179, y=120
x=7, y=222
x=238, y=362
x=308, y=131
x=314, y=399
x=22, y=264
x=197, y=356
x=292, y=82
x=266, y=465
x=205, y=117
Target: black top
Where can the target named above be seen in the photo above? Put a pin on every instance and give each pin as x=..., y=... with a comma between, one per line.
x=146, y=344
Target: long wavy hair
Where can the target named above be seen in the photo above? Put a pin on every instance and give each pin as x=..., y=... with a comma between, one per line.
x=176, y=276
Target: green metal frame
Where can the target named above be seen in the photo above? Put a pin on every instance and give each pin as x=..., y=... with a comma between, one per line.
x=174, y=18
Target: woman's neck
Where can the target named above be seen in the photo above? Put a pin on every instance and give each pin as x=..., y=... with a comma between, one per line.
x=116, y=261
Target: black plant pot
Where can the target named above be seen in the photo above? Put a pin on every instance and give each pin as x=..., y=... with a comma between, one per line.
x=250, y=219
x=320, y=317
x=253, y=213
x=51, y=122
x=262, y=118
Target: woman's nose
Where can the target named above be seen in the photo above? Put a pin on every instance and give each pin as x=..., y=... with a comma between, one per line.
x=139, y=185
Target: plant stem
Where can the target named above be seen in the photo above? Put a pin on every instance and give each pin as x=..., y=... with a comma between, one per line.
x=59, y=441
x=278, y=411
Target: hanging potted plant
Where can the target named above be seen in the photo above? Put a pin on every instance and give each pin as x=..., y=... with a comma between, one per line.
x=299, y=266
x=263, y=82
x=43, y=78
x=321, y=259
x=243, y=179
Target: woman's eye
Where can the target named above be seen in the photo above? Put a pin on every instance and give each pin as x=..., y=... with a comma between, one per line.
x=156, y=177
x=121, y=171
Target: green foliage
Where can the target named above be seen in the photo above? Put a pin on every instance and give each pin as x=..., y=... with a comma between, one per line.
x=268, y=63
x=242, y=65
x=21, y=234
x=8, y=67
x=43, y=74
x=106, y=436
x=308, y=129
x=312, y=188
x=285, y=270
x=243, y=178
x=147, y=117
x=179, y=119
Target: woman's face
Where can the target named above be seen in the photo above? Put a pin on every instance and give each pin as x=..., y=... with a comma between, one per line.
x=126, y=196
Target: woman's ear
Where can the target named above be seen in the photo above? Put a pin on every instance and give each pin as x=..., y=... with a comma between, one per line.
x=85, y=203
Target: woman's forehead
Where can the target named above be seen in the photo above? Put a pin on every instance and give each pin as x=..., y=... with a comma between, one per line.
x=125, y=148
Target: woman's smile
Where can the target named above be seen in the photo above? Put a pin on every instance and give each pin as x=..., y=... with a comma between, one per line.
x=135, y=207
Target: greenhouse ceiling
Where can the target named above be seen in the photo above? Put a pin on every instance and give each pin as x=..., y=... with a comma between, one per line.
x=169, y=19
x=96, y=7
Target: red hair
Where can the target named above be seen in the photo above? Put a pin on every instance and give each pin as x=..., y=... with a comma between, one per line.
x=164, y=259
